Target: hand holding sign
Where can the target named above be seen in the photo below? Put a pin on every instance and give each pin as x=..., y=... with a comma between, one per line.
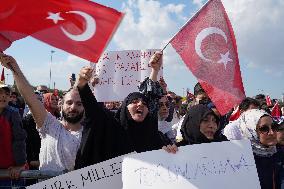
x=155, y=61
x=85, y=76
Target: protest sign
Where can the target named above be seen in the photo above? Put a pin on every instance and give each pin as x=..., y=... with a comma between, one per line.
x=120, y=73
x=105, y=175
x=227, y=164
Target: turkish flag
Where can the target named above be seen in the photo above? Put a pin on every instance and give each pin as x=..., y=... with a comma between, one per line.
x=276, y=111
x=80, y=27
x=208, y=47
x=268, y=100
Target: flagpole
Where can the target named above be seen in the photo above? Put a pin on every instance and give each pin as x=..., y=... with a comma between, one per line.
x=51, y=53
x=195, y=15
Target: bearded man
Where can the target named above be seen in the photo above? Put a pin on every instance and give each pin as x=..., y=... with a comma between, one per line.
x=60, y=140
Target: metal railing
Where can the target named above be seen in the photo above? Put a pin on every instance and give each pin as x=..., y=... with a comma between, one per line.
x=25, y=178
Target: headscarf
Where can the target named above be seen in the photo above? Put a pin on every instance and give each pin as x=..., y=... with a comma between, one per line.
x=248, y=123
x=190, y=128
x=47, y=104
x=144, y=135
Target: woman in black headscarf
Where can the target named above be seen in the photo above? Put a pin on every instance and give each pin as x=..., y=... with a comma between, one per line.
x=200, y=125
x=134, y=129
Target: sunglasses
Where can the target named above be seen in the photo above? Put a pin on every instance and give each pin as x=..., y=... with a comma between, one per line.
x=161, y=104
x=264, y=129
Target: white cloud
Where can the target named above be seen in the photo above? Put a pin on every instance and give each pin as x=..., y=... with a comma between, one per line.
x=147, y=24
x=199, y=3
x=259, y=30
x=60, y=72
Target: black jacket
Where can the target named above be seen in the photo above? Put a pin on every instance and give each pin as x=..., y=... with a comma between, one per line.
x=105, y=137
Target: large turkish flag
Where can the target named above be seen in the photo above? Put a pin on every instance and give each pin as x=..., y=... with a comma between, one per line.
x=208, y=47
x=80, y=27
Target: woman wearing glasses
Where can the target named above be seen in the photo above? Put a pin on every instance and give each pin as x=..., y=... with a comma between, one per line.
x=258, y=126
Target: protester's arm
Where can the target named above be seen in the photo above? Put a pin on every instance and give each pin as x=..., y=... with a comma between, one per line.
x=89, y=101
x=151, y=87
x=26, y=90
x=155, y=63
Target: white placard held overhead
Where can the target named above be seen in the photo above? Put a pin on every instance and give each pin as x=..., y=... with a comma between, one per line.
x=120, y=73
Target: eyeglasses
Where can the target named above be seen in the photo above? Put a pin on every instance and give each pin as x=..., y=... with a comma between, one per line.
x=264, y=129
x=167, y=104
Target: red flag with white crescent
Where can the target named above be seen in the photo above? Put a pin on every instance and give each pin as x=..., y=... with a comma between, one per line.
x=208, y=47
x=80, y=27
x=268, y=100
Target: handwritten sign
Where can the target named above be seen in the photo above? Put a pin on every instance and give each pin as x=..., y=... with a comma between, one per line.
x=206, y=166
x=105, y=175
x=120, y=73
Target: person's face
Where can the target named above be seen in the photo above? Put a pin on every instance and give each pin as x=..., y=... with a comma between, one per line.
x=4, y=98
x=72, y=108
x=266, y=131
x=138, y=110
x=208, y=126
x=163, y=107
x=252, y=106
x=201, y=96
x=109, y=105
x=13, y=99
x=53, y=102
x=280, y=136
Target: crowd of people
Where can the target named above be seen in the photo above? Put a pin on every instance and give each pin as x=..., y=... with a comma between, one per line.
x=53, y=133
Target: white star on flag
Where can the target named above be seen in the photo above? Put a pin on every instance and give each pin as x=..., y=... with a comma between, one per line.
x=225, y=59
x=54, y=16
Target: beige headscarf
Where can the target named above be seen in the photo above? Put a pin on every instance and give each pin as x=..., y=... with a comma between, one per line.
x=248, y=123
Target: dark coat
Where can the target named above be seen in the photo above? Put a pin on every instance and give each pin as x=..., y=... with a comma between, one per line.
x=105, y=137
x=266, y=170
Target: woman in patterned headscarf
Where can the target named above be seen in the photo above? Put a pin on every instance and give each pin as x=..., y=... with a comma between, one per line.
x=51, y=104
x=258, y=126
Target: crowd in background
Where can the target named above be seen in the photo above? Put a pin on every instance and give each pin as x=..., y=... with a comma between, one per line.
x=83, y=132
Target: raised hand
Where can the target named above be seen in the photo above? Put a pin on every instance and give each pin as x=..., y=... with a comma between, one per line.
x=156, y=60
x=85, y=75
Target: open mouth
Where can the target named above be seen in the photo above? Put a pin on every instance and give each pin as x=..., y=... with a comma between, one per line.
x=140, y=112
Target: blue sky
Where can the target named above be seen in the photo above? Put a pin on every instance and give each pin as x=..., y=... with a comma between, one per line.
x=258, y=26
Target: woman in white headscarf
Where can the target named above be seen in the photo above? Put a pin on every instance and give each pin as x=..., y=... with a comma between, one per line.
x=258, y=126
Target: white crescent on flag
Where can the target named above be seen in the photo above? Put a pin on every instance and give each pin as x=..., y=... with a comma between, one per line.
x=89, y=31
x=202, y=35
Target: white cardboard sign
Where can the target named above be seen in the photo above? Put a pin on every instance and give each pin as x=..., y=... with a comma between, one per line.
x=204, y=166
x=105, y=175
x=120, y=73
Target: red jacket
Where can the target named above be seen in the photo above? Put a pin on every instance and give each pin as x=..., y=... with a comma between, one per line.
x=12, y=139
